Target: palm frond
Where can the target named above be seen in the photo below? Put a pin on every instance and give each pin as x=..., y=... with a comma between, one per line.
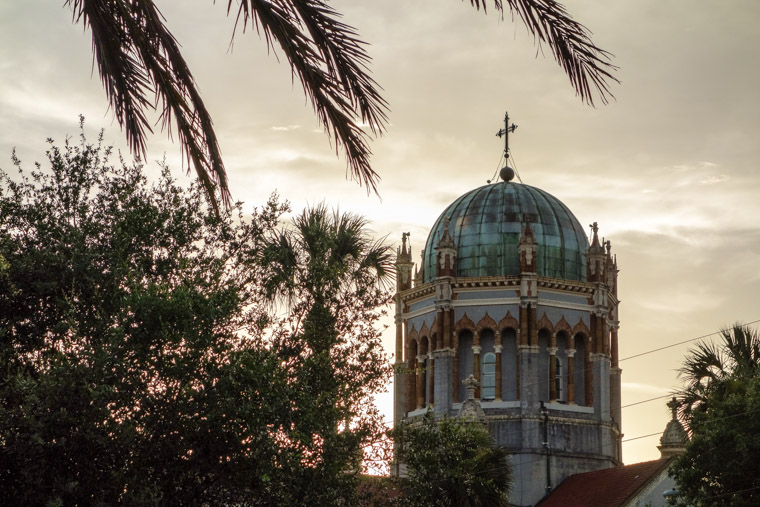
x=331, y=63
x=587, y=66
x=140, y=65
x=710, y=370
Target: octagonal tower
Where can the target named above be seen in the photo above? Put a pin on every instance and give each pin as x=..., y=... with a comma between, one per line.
x=511, y=291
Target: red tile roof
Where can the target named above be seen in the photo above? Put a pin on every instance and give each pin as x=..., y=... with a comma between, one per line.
x=611, y=487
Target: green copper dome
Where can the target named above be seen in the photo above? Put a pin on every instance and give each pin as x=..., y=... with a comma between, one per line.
x=485, y=224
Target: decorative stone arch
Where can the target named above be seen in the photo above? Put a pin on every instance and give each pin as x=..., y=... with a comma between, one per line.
x=424, y=345
x=562, y=325
x=582, y=332
x=509, y=322
x=581, y=328
x=487, y=323
x=583, y=337
x=545, y=323
x=424, y=335
x=464, y=323
x=412, y=338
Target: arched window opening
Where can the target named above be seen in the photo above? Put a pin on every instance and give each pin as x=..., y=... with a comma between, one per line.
x=488, y=391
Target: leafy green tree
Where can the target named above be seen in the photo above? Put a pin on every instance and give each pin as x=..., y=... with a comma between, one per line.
x=141, y=364
x=140, y=65
x=721, y=407
x=452, y=461
x=721, y=465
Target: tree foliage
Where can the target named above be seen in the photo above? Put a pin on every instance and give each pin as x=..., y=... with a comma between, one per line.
x=721, y=406
x=141, y=67
x=452, y=461
x=711, y=370
x=140, y=362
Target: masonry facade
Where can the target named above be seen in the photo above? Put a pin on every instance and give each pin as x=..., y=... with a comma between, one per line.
x=511, y=291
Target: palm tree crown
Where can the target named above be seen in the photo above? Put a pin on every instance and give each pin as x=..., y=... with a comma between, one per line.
x=325, y=254
x=717, y=369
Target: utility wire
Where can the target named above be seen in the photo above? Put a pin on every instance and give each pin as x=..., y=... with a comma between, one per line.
x=650, y=351
x=682, y=342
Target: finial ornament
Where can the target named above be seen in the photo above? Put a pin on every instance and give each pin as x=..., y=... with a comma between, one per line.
x=471, y=383
x=507, y=173
x=673, y=406
x=505, y=132
x=405, y=249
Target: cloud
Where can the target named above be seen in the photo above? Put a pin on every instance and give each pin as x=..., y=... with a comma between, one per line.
x=644, y=388
x=286, y=128
x=712, y=180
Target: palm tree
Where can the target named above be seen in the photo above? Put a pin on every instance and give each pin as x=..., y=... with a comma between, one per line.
x=324, y=254
x=718, y=369
x=332, y=279
x=141, y=66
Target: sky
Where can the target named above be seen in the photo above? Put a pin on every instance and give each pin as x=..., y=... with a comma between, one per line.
x=669, y=169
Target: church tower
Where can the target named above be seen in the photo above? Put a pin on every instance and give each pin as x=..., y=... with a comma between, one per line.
x=511, y=292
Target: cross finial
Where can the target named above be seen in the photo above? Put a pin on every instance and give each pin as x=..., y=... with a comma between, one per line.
x=505, y=132
x=673, y=406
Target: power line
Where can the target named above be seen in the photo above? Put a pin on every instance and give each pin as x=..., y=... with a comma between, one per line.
x=682, y=342
x=588, y=367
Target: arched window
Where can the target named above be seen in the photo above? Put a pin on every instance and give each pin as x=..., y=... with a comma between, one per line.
x=488, y=382
x=558, y=384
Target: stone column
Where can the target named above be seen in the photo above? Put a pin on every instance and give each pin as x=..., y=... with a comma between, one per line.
x=420, y=381
x=529, y=381
x=615, y=377
x=476, y=366
x=552, y=373
x=444, y=389
x=399, y=377
x=600, y=364
x=455, y=372
x=571, y=376
x=430, y=377
x=588, y=377
x=411, y=385
x=517, y=366
x=497, y=349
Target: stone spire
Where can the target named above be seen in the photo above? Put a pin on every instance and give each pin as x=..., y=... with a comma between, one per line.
x=674, y=438
x=596, y=257
x=446, y=252
x=404, y=264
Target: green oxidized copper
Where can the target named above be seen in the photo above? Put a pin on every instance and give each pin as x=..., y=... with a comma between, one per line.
x=486, y=222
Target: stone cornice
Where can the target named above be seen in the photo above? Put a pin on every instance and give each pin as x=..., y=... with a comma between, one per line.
x=502, y=282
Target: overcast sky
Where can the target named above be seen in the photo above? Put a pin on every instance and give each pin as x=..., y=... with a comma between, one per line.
x=669, y=169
